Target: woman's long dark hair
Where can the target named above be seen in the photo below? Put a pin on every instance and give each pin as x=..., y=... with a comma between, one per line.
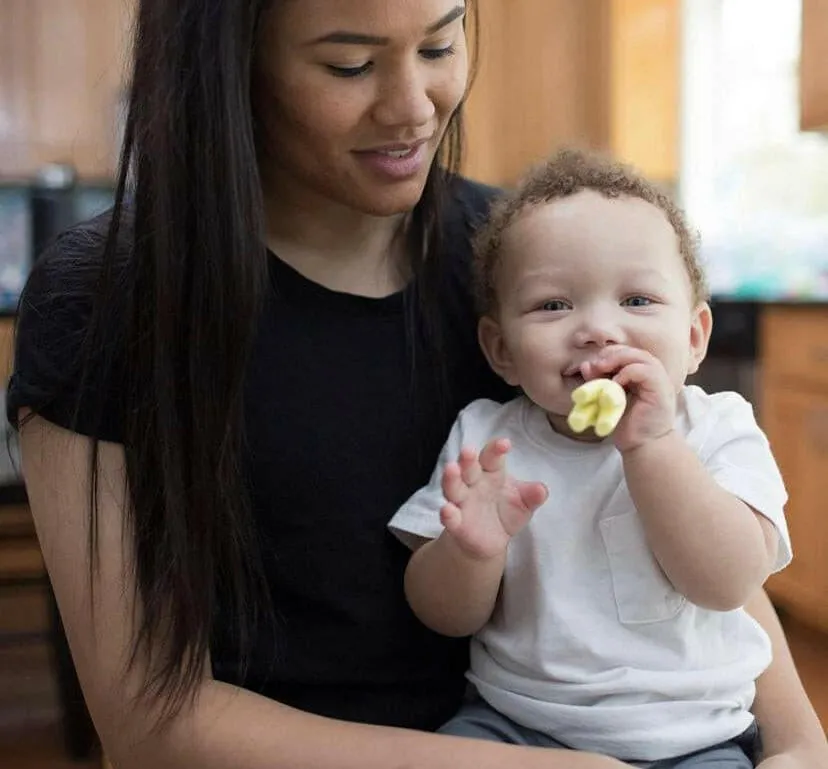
x=194, y=281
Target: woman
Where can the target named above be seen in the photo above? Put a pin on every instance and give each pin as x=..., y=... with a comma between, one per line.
x=219, y=416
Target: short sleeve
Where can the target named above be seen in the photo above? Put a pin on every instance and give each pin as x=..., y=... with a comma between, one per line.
x=50, y=375
x=419, y=516
x=739, y=457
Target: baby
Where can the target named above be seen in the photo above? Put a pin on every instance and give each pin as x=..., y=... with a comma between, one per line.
x=602, y=580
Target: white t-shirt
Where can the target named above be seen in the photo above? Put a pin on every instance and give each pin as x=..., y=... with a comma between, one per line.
x=589, y=642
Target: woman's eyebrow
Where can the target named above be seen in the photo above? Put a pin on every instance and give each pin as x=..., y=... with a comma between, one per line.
x=359, y=38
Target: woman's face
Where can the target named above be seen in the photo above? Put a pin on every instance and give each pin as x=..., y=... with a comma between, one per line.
x=357, y=96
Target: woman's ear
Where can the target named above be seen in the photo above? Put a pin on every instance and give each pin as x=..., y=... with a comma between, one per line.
x=700, y=328
x=490, y=336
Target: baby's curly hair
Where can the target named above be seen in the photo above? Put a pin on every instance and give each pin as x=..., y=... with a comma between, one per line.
x=568, y=172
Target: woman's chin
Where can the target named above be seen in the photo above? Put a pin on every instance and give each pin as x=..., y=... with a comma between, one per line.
x=391, y=200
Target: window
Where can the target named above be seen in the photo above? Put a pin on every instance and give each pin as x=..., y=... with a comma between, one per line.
x=752, y=183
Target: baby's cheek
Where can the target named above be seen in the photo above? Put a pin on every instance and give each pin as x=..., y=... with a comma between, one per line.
x=542, y=347
x=675, y=364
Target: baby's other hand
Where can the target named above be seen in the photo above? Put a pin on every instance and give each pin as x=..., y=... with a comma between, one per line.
x=485, y=507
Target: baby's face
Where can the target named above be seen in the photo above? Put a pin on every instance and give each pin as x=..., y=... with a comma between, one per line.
x=582, y=273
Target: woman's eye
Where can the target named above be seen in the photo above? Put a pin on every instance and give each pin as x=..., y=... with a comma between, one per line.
x=637, y=301
x=438, y=53
x=555, y=305
x=431, y=54
x=349, y=71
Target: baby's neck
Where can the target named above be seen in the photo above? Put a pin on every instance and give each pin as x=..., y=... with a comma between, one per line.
x=559, y=424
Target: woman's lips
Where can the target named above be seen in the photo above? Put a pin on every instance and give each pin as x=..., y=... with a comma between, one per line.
x=395, y=162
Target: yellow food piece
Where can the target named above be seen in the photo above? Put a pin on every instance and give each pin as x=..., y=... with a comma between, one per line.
x=583, y=416
x=599, y=404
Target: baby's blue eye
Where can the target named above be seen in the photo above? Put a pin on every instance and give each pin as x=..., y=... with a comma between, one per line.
x=637, y=301
x=555, y=305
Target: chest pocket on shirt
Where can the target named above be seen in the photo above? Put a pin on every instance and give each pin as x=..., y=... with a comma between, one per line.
x=643, y=594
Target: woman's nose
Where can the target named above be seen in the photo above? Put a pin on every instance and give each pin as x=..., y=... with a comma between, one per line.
x=404, y=100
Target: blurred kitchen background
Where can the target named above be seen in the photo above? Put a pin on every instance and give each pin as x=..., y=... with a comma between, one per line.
x=725, y=102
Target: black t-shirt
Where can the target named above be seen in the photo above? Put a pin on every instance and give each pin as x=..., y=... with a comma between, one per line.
x=339, y=433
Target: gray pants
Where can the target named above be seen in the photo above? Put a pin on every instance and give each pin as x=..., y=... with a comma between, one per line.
x=478, y=719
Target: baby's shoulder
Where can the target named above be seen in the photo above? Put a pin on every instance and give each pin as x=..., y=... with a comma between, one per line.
x=711, y=420
x=486, y=418
x=699, y=406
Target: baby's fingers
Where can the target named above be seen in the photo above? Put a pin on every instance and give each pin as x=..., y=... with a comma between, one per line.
x=532, y=494
x=454, y=487
x=493, y=456
x=451, y=517
x=470, y=469
x=639, y=378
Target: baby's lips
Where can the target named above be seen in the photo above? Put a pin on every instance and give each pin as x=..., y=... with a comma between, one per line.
x=577, y=368
x=597, y=369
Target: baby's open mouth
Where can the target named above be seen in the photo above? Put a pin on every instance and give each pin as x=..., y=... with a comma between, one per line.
x=573, y=380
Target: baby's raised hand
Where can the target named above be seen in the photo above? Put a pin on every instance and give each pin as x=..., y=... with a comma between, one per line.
x=485, y=507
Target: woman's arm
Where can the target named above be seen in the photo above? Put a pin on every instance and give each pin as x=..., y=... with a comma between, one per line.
x=225, y=727
x=791, y=734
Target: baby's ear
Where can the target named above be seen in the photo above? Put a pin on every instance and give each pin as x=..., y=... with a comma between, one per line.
x=700, y=329
x=493, y=344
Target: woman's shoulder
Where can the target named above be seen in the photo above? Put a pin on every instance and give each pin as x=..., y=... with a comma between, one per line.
x=466, y=209
x=472, y=199
x=53, y=320
x=67, y=278
x=73, y=260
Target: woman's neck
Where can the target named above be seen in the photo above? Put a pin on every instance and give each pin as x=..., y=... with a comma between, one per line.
x=338, y=247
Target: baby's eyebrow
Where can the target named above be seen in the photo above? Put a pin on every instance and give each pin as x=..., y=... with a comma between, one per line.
x=541, y=278
x=647, y=273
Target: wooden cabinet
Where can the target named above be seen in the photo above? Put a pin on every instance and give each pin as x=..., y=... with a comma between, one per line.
x=539, y=84
x=813, y=66
x=645, y=80
x=600, y=74
x=794, y=413
x=6, y=349
x=62, y=65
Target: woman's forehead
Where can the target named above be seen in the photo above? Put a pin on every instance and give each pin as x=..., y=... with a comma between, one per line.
x=316, y=21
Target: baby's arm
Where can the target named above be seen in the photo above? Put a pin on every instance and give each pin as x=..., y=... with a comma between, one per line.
x=700, y=517
x=713, y=547
x=449, y=591
x=452, y=582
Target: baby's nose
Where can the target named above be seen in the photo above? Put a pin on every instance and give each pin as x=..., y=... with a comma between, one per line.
x=596, y=335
